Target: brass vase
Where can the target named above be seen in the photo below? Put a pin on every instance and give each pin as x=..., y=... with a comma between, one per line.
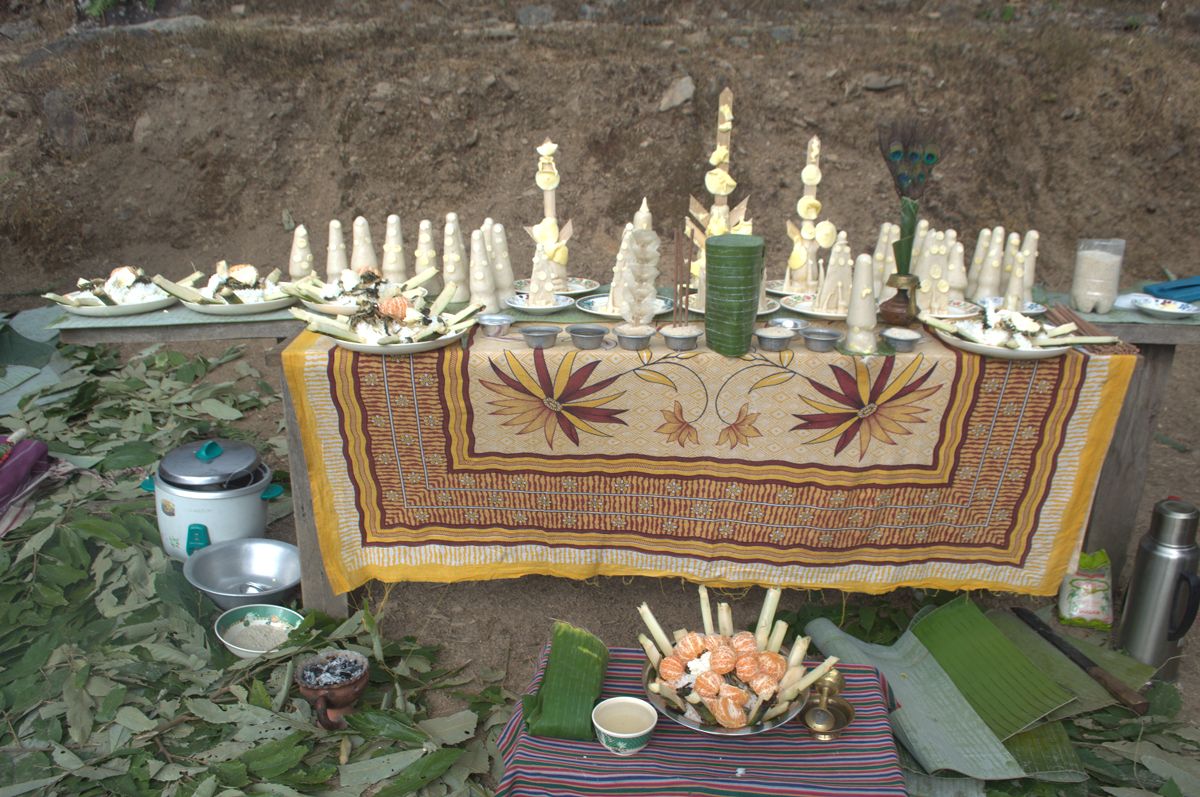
x=901, y=309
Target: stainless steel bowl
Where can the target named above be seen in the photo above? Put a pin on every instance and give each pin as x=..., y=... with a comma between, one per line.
x=494, y=325
x=541, y=336
x=794, y=324
x=683, y=338
x=244, y=572
x=820, y=338
x=587, y=336
x=771, y=340
x=900, y=339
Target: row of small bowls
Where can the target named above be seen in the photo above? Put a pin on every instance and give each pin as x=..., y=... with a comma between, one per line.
x=776, y=336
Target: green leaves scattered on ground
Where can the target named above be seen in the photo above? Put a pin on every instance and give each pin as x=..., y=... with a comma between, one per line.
x=112, y=681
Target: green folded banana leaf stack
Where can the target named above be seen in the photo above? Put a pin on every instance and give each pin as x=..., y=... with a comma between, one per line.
x=562, y=706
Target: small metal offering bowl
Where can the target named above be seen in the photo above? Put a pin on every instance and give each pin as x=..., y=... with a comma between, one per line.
x=634, y=342
x=681, y=338
x=901, y=339
x=541, y=336
x=494, y=325
x=841, y=715
x=794, y=324
x=256, y=614
x=245, y=571
x=773, y=338
x=821, y=338
x=587, y=336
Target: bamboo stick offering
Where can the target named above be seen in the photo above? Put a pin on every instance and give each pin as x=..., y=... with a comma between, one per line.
x=656, y=631
x=705, y=606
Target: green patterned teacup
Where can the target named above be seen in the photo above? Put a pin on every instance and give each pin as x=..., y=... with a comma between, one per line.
x=624, y=724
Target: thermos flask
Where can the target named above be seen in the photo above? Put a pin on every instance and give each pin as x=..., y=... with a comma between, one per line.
x=1165, y=590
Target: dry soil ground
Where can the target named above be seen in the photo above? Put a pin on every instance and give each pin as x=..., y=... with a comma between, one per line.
x=174, y=149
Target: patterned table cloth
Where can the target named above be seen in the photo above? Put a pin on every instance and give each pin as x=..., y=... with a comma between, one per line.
x=938, y=468
x=679, y=761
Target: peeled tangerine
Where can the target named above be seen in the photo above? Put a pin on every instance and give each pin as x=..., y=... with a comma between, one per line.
x=671, y=669
x=738, y=696
x=713, y=642
x=722, y=660
x=763, y=685
x=394, y=307
x=708, y=684
x=773, y=664
x=726, y=712
x=744, y=642
x=689, y=647
x=747, y=667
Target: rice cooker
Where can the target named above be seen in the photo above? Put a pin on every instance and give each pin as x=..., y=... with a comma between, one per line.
x=210, y=491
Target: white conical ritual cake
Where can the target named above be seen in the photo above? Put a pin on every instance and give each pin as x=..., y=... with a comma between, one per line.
x=362, y=251
x=956, y=272
x=335, y=254
x=425, y=255
x=640, y=293
x=977, y=260
x=860, y=317
x=991, y=271
x=884, y=266
x=483, y=290
x=454, y=261
x=501, y=264
x=541, y=280
x=395, y=268
x=834, y=295
x=1029, y=251
x=300, y=263
x=1014, y=287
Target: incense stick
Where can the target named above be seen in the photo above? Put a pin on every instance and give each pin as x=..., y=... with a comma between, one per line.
x=678, y=312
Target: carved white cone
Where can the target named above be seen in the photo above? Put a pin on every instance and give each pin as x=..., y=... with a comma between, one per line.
x=889, y=233
x=1012, y=251
x=501, y=264
x=362, y=252
x=860, y=317
x=395, y=269
x=541, y=281
x=1014, y=294
x=643, y=220
x=1029, y=250
x=993, y=265
x=639, y=292
x=300, y=263
x=483, y=291
x=620, y=274
x=454, y=260
x=425, y=255
x=956, y=273
x=977, y=260
x=335, y=254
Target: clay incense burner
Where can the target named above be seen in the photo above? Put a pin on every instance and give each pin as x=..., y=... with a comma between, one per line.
x=332, y=682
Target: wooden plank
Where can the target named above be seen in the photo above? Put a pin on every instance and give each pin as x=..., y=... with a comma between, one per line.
x=1165, y=333
x=173, y=333
x=315, y=590
x=1123, y=478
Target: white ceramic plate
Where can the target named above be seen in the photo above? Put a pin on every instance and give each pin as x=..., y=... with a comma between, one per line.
x=521, y=302
x=1166, y=309
x=113, y=311
x=598, y=305
x=1030, y=308
x=961, y=309
x=242, y=309
x=1125, y=300
x=576, y=286
x=1000, y=352
x=402, y=348
x=775, y=288
x=802, y=303
x=771, y=306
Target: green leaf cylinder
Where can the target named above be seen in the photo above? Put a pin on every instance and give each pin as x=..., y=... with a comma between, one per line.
x=733, y=280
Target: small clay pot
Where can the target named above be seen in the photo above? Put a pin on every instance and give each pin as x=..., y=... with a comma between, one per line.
x=331, y=703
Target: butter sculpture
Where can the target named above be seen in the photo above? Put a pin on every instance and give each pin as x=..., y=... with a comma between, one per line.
x=884, y=260
x=546, y=232
x=1014, y=273
x=300, y=263
x=501, y=264
x=834, y=294
x=860, y=317
x=1029, y=251
x=803, y=274
x=956, y=272
x=990, y=272
x=977, y=260
x=639, y=291
x=620, y=274
x=395, y=268
x=335, y=253
x=362, y=252
x=483, y=288
x=454, y=261
x=541, y=281
x=718, y=219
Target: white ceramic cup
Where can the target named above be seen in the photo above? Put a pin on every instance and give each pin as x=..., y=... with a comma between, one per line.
x=624, y=724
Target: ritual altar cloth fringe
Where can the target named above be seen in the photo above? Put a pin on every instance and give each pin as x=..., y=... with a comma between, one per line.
x=938, y=469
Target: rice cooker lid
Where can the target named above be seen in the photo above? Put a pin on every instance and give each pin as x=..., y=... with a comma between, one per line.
x=212, y=463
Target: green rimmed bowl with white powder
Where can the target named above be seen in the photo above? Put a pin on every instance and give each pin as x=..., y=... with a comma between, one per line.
x=249, y=631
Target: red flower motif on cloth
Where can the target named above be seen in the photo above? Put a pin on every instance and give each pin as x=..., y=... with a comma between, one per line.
x=868, y=409
x=741, y=430
x=539, y=401
x=676, y=428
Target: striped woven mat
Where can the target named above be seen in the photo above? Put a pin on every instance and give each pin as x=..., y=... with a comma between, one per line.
x=679, y=761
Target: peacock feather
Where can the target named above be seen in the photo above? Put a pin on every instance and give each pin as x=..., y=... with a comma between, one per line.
x=911, y=149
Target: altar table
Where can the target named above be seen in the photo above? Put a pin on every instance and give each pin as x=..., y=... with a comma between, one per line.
x=862, y=762
x=937, y=469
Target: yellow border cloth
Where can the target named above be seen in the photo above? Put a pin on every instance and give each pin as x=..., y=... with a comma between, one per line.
x=937, y=469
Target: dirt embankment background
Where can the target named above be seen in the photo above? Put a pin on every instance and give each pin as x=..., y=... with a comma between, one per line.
x=202, y=138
